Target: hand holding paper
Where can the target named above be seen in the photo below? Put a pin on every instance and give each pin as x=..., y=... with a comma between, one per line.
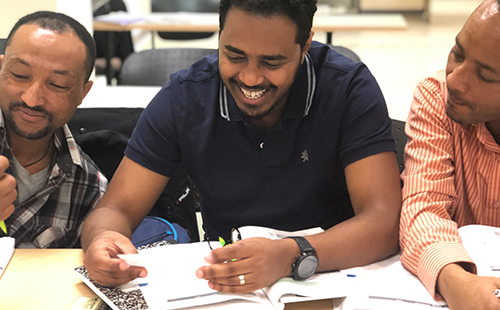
x=257, y=261
x=103, y=263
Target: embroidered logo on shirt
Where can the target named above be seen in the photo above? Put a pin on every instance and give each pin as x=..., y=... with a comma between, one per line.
x=305, y=156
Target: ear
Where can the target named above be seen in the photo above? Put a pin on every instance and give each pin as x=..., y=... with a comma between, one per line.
x=2, y=57
x=86, y=89
x=307, y=46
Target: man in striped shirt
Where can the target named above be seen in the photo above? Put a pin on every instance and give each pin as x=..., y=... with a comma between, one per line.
x=48, y=186
x=452, y=165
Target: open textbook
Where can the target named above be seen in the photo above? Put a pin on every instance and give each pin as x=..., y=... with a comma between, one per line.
x=172, y=283
x=387, y=285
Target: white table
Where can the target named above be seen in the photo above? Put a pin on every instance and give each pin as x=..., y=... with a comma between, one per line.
x=119, y=96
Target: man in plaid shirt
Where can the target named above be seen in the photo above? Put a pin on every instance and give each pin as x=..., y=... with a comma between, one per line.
x=48, y=186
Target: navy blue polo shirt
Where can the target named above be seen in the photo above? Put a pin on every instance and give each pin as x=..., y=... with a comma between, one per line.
x=290, y=177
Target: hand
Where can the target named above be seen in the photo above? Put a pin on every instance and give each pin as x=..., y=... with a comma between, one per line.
x=464, y=290
x=102, y=262
x=260, y=260
x=8, y=192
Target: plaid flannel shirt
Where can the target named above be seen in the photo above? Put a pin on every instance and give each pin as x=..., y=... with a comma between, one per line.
x=53, y=216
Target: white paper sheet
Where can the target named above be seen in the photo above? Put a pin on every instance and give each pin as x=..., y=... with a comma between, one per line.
x=6, y=250
x=172, y=281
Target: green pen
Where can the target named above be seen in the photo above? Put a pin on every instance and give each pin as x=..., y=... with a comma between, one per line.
x=3, y=227
x=223, y=244
x=221, y=240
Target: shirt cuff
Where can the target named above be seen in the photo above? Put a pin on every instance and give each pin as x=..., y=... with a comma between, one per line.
x=435, y=258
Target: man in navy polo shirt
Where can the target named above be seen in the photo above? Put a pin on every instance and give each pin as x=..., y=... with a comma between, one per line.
x=276, y=131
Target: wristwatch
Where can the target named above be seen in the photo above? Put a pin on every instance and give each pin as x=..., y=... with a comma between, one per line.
x=306, y=263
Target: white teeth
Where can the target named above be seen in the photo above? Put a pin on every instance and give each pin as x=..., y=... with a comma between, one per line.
x=252, y=94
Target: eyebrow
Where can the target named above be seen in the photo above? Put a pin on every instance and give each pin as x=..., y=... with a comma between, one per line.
x=265, y=57
x=25, y=63
x=478, y=63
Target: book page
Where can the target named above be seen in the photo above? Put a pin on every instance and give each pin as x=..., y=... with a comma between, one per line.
x=387, y=285
x=273, y=234
x=319, y=286
x=6, y=251
x=483, y=246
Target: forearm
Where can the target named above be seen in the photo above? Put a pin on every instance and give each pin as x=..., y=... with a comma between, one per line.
x=363, y=239
x=429, y=238
x=104, y=219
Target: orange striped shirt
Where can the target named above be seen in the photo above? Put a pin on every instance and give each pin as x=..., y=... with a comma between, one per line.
x=451, y=179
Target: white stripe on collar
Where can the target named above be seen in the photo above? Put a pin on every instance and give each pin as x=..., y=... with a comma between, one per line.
x=311, y=88
x=311, y=83
x=224, y=110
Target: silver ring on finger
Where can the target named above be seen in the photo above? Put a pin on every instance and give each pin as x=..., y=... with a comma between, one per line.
x=242, y=279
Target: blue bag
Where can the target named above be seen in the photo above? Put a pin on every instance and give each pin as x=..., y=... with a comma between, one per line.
x=153, y=229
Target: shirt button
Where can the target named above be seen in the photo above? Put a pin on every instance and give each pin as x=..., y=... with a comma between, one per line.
x=497, y=204
x=262, y=145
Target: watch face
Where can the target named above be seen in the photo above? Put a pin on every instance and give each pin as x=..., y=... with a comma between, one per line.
x=307, y=267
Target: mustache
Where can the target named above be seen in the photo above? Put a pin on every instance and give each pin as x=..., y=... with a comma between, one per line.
x=455, y=94
x=37, y=108
x=239, y=84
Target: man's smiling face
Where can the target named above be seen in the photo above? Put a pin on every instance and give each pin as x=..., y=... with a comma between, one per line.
x=258, y=61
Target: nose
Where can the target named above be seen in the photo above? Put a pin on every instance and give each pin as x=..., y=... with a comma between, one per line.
x=251, y=75
x=33, y=94
x=458, y=77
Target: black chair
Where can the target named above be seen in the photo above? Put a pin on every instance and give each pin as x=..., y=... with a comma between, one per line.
x=400, y=138
x=154, y=67
x=103, y=133
x=3, y=43
x=346, y=52
x=208, y=6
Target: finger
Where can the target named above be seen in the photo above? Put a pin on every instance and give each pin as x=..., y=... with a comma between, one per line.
x=234, y=289
x=236, y=280
x=109, y=278
x=7, y=185
x=4, y=163
x=223, y=270
x=236, y=251
x=7, y=212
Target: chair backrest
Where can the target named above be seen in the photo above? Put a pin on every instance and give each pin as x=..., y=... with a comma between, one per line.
x=103, y=133
x=3, y=43
x=154, y=67
x=346, y=52
x=209, y=6
x=399, y=135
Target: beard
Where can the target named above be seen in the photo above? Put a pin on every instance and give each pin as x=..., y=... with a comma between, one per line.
x=451, y=111
x=12, y=126
x=278, y=103
x=249, y=113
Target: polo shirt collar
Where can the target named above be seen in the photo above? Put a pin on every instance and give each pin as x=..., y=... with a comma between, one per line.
x=299, y=100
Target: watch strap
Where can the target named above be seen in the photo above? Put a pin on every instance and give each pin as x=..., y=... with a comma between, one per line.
x=304, y=245
x=306, y=250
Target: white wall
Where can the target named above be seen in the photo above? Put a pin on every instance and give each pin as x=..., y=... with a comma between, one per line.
x=12, y=10
x=396, y=5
